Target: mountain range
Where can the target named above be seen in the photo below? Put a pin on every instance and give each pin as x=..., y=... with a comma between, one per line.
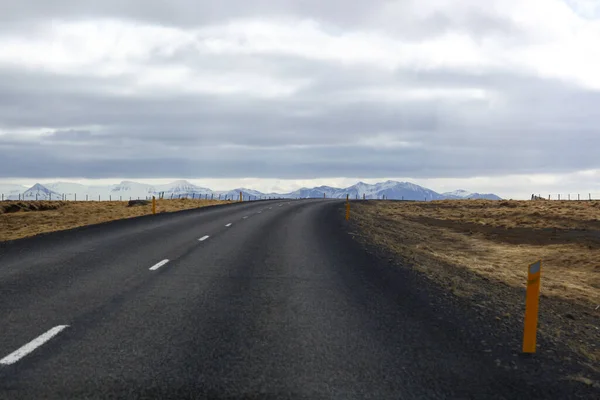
x=132, y=190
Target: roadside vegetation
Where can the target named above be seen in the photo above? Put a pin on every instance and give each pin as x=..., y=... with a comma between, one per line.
x=29, y=218
x=479, y=250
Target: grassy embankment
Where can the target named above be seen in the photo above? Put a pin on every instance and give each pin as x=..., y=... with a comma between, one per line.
x=19, y=219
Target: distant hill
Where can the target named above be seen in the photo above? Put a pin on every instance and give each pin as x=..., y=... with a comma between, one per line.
x=40, y=192
x=126, y=190
x=464, y=194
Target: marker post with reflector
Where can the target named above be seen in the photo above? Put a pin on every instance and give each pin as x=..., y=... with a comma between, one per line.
x=532, y=302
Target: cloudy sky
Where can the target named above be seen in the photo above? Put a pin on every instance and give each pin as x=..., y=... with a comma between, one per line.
x=495, y=95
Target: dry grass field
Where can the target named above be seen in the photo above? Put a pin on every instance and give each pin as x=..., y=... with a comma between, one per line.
x=480, y=250
x=497, y=239
x=23, y=219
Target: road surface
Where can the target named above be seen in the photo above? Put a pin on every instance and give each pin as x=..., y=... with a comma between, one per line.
x=268, y=299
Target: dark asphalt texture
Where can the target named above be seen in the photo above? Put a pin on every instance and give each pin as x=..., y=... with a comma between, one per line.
x=282, y=304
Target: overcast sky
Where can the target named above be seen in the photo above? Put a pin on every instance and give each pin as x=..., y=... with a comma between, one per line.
x=495, y=95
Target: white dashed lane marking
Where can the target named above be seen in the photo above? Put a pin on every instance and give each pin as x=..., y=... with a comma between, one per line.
x=228, y=225
x=203, y=238
x=157, y=266
x=31, y=346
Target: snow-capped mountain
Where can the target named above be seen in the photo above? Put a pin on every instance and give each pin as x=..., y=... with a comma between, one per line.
x=392, y=190
x=132, y=190
x=40, y=192
x=127, y=189
x=181, y=188
x=389, y=189
x=11, y=191
x=464, y=194
x=246, y=193
x=72, y=191
x=317, y=192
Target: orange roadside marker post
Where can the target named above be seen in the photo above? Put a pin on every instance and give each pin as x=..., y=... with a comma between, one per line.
x=532, y=302
x=347, y=208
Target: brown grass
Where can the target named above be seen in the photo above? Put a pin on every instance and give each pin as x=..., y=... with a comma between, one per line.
x=50, y=216
x=480, y=250
x=16, y=206
x=498, y=240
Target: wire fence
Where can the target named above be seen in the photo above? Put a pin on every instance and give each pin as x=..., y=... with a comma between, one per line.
x=567, y=196
x=160, y=196
x=230, y=197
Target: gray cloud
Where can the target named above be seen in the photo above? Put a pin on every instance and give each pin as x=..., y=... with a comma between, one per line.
x=344, y=120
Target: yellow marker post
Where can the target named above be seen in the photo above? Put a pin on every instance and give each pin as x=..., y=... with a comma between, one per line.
x=532, y=302
x=153, y=205
x=241, y=198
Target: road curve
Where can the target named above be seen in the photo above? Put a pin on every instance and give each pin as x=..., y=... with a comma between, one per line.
x=268, y=299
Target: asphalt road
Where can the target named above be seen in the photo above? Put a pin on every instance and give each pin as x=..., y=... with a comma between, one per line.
x=281, y=303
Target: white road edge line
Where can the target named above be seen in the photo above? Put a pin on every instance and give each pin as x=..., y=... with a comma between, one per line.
x=203, y=238
x=228, y=225
x=31, y=346
x=157, y=266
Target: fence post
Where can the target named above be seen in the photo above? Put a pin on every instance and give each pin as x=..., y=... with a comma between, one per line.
x=36, y=197
x=548, y=197
x=219, y=196
x=86, y=197
x=120, y=198
x=577, y=196
x=212, y=196
x=75, y=196
x=559, y=196
x=2, y=196
x=98, y=197
x=590, y=196
x=569, y=196
x=110, y=197
x=153, y=205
